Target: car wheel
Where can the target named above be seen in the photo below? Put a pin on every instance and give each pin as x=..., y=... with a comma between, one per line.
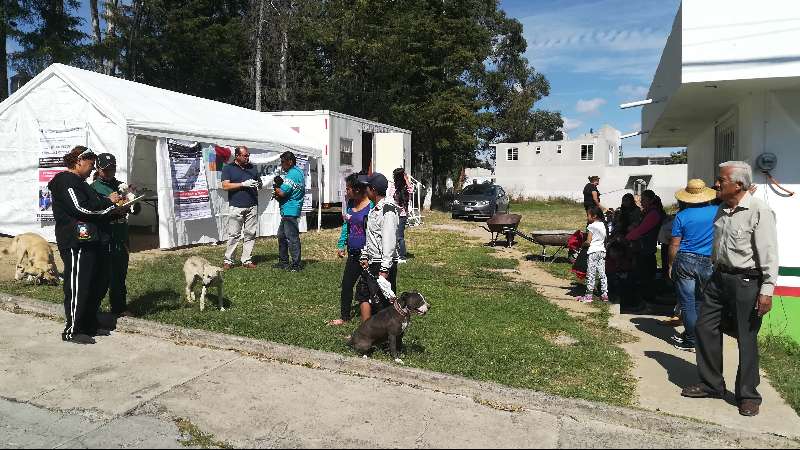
x=454, y=216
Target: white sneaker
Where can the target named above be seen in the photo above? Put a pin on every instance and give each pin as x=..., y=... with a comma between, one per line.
x=402, y=261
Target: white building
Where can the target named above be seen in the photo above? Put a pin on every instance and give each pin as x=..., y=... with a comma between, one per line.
x=350, y=144
x=728, y=88
x=553, y=169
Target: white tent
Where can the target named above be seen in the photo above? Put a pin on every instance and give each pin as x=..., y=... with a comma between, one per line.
x=64, y=106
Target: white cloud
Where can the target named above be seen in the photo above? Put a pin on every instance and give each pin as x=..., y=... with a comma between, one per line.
x=589, y=106
x=630, y=92
x=605, y=37
x=571, y=124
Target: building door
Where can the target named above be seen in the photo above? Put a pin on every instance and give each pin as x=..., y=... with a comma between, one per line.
x=366, y=151
x=725, y=141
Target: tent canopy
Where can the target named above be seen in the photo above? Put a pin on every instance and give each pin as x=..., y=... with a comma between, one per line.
x=151, y=111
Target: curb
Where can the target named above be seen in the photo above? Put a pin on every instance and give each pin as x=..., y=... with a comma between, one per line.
x=489, y=394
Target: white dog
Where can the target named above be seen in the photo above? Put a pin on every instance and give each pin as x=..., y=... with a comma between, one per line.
x=35, y=260
x=197, y=269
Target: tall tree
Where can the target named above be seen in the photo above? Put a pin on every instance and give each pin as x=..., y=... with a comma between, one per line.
x=53, y=36
x=198, y=47
x=11, y=11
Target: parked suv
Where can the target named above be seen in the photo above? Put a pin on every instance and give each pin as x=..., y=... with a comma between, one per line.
x=480, y=200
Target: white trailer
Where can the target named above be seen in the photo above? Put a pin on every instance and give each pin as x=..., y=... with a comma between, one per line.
x=350, y=144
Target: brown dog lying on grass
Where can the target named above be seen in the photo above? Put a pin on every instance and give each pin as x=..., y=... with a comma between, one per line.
x=35, y=261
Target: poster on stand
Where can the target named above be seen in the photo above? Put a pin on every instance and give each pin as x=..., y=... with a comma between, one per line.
x=189, y=183
x=53, y=144
x=304, y=165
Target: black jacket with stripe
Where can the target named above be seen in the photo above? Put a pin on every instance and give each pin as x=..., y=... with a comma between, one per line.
x=75, y=202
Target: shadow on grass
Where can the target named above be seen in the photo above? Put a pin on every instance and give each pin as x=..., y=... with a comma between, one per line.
x=156, y=301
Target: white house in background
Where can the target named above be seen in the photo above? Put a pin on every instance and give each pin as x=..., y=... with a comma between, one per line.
x=551, y=169
x=350, y=144
x=478, y=175
x=728, y=88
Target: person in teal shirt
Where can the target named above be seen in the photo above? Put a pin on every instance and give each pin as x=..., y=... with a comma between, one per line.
x=105, y=183
x=290, y=196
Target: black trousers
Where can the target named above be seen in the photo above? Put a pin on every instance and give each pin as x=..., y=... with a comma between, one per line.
x=352, y=273
x=736, y=294
x=362, y=290
x=112, y=280
x=84, y=287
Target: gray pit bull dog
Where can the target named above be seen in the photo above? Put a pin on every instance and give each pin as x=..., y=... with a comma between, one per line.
x=389, y=324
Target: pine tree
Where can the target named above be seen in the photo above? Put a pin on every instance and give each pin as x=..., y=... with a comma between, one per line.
x=54, y=36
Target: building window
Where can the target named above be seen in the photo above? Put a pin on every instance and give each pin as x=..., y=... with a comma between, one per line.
x=513, y=154
x=587, y=152
x=558, y=150
x=725, y=141
x=346, y=152
x=538, y=150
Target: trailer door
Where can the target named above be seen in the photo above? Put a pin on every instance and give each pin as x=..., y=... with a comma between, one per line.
x=389, y=153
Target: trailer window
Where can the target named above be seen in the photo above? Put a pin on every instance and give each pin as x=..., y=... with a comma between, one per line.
x=513, y=154
x=346, y=152
x=587, y=152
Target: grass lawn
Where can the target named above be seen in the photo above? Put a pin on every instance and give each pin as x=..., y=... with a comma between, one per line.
x=481, y=325
x=780, y=357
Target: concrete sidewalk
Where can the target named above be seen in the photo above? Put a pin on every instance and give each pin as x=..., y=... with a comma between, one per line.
x=131, y=385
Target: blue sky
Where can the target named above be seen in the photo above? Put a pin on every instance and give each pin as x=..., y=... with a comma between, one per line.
x=596, y=54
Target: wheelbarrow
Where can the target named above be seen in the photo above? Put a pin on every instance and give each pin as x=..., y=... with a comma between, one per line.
x=548, y=238
x=502, y=225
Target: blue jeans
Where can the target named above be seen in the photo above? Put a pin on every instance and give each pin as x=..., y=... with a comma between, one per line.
x=289, y=241
x=690, y=273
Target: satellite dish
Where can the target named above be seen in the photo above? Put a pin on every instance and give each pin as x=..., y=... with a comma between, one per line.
x=767, y=161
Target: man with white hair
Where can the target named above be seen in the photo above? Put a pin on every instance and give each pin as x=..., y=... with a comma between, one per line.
x=745, y=259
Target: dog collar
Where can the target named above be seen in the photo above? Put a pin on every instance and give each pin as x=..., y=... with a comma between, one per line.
x=403, y=311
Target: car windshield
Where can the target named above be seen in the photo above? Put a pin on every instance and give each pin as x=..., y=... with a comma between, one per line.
x=478, y=189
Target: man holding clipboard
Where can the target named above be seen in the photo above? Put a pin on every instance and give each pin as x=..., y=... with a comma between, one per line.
x=105, y=183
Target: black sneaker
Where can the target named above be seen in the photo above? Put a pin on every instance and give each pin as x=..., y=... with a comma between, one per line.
x=685, y=346
x=280, y=266
x=102, y=332
x=82, y=339
x=295, y=268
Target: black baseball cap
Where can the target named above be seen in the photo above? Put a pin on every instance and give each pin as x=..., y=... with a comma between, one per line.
x=105, y=160
x=376, y=180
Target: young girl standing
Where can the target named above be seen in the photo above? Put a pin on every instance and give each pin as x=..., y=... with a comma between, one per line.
x=596, y=240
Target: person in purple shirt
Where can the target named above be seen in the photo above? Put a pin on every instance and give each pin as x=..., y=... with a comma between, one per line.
x=351, y=241
x=690, y=254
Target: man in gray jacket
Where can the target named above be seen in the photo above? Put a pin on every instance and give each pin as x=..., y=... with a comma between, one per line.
x=380, y=253
x=745, y=258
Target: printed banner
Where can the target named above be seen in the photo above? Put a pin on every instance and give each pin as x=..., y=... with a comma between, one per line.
x=304, y=165
x=54, y=144
x=189, y=183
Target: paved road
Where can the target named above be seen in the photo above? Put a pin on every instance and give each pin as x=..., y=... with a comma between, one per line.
x=126, y=391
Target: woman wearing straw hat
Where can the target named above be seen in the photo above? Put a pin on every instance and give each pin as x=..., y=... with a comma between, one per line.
x=690, y=253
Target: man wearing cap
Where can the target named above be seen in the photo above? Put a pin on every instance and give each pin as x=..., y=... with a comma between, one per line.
x=380, y=253
x=114, y=279
x=745, y=259
x=242, y=182
x=290, y=196
x=690, y=254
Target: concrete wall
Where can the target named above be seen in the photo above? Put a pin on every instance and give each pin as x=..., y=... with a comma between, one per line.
x=667, y=78
x=768, y=122
x=739, y=39
x=568, y=182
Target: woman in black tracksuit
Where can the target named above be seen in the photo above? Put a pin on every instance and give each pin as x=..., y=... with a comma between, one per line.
x=83, y=237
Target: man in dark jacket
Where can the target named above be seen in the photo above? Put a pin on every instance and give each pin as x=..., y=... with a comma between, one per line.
x=83, y=236
x=105, y=183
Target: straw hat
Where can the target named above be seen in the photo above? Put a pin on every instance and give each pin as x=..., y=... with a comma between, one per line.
x=696, y=192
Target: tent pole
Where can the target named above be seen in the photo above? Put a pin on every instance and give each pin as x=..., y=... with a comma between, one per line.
x=319, y=194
